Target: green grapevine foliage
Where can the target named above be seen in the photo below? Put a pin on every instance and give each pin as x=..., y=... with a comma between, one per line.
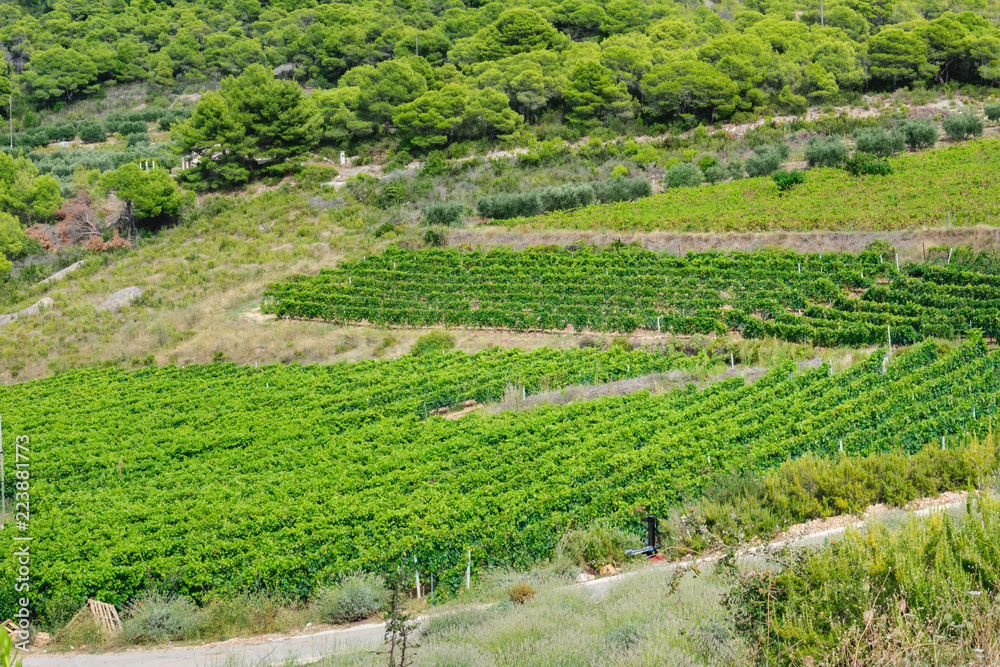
x=228, y=478
x=831, y=299
x=922, y=189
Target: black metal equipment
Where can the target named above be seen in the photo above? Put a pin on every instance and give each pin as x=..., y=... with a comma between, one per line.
x=651, y=547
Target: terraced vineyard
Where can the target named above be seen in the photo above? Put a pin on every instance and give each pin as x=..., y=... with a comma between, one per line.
x=925, y=188
x=226, y=477
x=831, y=299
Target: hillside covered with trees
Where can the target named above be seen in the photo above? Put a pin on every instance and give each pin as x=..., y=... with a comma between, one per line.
x=434, y=72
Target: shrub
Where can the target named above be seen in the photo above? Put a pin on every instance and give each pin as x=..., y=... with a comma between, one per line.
x=385, y=228
x=622, y=189
x=895, y=587
x=715, y=173
x=243, y=614
x=448, y=214
x=918, y=133
x=126, y=127
x=31, y=139
x=435, y=238
x=566, y=197
x=506, y=206
x=137, y=139
x=391, y=194
x=60, y=132
x=825, y=152
x=734, y=169
x=434, y=341
x=786, y=180
x=91, y=132
x=521, y=593
x=172, y=116
x=706, y=162
x=683, y=175
x=315, y=175
x=766, y=160
x=356, y=597
x=878, y=141
x=992, y=112
x=961, y=125
x=158, y=618
x=865, y=164
x=435, y=164
x=599, y=543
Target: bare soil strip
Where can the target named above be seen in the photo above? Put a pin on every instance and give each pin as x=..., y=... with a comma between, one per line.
x=910, y=244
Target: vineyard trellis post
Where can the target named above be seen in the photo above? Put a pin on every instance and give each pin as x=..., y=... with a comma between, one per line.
x=468, y=571
x=416, y=573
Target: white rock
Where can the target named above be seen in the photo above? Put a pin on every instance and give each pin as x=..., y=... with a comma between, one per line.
x=120, y=299
x=62, y=274
x=583, y=576
x=30, y=310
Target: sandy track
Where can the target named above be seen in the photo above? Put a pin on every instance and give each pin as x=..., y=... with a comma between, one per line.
x=910, y=244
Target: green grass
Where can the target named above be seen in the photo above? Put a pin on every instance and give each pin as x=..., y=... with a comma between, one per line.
x=923, y=189
x=195, y=277
x=643, y=620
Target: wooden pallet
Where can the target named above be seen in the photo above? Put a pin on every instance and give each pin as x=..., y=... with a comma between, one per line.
x=104, y=615
x=11, y=628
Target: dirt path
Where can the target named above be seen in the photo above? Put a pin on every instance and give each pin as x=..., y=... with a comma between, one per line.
x=653, y=383
x=253, y=651
x=303, y=649
x=910, y=244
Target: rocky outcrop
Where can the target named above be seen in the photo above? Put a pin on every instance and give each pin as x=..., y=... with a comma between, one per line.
x=120, y=299
x=33, y=309
x=62, y=274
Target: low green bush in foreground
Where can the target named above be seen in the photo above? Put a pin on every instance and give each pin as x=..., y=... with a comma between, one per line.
x=750, y=505
x=925, y=593
x=356, y=597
